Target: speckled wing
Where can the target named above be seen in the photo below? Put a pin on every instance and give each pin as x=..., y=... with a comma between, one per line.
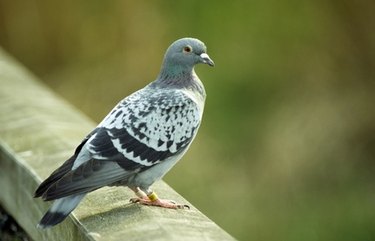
x=146, y=128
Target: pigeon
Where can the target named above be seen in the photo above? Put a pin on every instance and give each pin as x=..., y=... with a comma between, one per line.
x=139, y=141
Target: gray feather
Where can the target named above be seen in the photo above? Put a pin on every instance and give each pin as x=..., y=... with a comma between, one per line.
x=59, y=210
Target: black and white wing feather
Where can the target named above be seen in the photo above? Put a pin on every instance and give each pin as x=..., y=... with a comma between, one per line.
x=143, y=130
x=146, y=128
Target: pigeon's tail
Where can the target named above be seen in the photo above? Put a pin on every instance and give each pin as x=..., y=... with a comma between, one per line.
x=60, y=209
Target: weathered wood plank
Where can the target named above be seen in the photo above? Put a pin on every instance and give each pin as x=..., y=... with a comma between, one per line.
x=38, y=131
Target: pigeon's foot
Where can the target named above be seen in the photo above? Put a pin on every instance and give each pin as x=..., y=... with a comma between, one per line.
x=153, y=200
x=160, y=203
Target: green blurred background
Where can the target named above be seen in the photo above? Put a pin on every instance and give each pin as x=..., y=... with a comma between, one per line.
x=286, y=150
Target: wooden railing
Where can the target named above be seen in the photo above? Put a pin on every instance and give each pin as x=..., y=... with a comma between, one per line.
x=38, y=131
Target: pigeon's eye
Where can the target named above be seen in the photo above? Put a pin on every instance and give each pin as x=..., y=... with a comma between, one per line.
x=187, y=49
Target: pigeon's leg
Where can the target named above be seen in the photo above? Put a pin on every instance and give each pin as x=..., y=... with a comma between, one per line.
x=141, y=195
x=152, y=199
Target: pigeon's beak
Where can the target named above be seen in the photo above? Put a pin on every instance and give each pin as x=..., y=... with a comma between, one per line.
x=206, y=59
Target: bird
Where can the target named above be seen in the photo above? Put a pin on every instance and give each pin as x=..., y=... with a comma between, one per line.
x=139, y=141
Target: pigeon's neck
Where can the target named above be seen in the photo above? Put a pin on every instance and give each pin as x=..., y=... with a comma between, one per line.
x=180, y=77
x=175, y=71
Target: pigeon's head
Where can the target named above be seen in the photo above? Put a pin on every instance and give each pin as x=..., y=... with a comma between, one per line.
x=184, y=53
